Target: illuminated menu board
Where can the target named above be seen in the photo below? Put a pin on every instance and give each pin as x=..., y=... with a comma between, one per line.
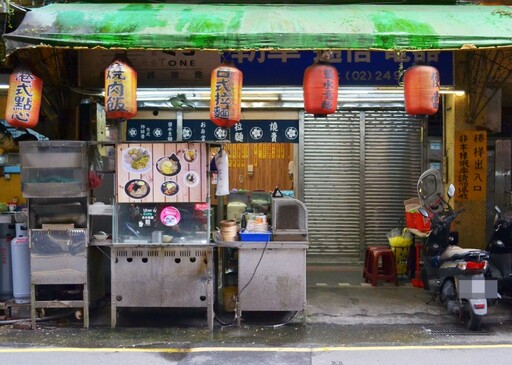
x=161, y=172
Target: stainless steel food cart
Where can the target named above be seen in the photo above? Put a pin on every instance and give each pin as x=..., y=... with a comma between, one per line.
x=64, y=271
x=161, y=254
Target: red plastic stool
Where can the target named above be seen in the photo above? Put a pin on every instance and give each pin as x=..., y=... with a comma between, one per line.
x=367, y=254
x=380, y=264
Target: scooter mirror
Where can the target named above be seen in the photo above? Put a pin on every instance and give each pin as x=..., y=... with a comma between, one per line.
x=451, y=191
x=423, y=212
x=497, y=209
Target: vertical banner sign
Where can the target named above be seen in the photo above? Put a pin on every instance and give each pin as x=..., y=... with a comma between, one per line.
x=470, y=165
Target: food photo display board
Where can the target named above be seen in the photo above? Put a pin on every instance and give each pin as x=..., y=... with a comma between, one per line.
x=161, y=172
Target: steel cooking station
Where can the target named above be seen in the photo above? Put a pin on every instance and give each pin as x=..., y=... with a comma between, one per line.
x=160, y=252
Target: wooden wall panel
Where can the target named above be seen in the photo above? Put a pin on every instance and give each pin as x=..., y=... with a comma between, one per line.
x=270, y=166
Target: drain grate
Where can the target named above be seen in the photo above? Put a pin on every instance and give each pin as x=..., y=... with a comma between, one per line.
x=454, y=330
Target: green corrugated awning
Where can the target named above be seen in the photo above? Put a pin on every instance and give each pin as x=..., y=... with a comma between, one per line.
x=264, y=27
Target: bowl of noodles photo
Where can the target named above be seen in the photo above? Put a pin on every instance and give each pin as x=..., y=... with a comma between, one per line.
x=169, y=166
x=169, y=188
x=137, y=189
x=137, y=160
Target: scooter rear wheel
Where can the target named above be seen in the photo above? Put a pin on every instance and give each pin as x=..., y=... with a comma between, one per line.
x=447, y=292
x=474, y=321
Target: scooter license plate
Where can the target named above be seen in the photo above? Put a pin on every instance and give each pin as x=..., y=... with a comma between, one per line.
x=478, y=288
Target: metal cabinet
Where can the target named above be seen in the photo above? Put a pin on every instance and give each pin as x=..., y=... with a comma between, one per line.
x=271, y=276
x=175, y=276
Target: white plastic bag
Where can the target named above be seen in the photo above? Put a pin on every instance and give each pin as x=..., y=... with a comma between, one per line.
x=221, y=161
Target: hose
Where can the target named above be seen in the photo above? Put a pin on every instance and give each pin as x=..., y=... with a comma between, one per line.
x=50, y=318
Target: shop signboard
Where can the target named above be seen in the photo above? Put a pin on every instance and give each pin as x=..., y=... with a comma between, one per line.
x=470, y=165
x=170, y=69
x=355, y=68
x=247, y=131
x=161, y=172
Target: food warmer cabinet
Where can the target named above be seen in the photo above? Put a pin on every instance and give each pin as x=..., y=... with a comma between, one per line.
x=64, y=271
x=161, y=254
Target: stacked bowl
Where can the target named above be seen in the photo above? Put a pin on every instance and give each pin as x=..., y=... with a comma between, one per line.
x=229, y=230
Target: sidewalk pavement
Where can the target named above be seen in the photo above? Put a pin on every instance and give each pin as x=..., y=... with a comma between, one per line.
x=341, y=309
x=341, y=296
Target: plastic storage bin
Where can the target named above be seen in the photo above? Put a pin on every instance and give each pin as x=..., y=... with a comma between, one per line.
x=255, y=236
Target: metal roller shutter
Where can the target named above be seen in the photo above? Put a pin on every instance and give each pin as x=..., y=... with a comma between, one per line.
x=359, y=167
x=392, y=168
x=332, y=186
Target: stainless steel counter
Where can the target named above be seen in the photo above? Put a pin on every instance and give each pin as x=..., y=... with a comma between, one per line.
x=271, y=275
x=162, y=275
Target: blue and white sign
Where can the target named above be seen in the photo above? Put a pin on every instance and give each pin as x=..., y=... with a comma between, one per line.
x=265, y=68
x=151, y=130
x=355, y=68
x=247, y=131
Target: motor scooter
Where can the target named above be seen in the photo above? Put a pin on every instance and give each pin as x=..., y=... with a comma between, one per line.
x=453, y=274
x=500, y=251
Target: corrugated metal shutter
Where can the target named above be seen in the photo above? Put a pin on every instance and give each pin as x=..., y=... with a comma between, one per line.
x=392, y=168
x=353, y=204
x=332, y=184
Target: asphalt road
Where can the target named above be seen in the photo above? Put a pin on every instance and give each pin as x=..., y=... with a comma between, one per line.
x=387, y=355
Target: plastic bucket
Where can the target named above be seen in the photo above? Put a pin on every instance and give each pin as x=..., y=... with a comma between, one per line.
x=401, y=254
x=400, y=246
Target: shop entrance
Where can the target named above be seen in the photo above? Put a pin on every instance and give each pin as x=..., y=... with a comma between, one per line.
x=359, y=167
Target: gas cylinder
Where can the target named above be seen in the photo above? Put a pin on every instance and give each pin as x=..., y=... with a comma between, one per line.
x=20, y=256
x=5, y=262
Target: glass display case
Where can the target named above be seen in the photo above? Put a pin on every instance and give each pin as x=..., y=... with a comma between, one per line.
x=54, y=169
x=162, y=223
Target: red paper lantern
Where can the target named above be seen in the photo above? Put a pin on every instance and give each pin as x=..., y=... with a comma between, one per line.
x=320, y=88
x=23, y=98
x=120, y=89
x=226, y=95
x=421, y=90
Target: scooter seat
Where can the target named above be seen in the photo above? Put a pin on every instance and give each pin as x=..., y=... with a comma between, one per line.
x=456, y=252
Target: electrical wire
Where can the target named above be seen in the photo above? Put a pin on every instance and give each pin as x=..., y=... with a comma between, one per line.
x=245, y=286
x=255, y=268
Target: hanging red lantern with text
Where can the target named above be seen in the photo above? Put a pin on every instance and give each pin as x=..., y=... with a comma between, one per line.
x=226, y=95
x=120, y=89
x=320, y=89
x=421, y=90
x=23, y=98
